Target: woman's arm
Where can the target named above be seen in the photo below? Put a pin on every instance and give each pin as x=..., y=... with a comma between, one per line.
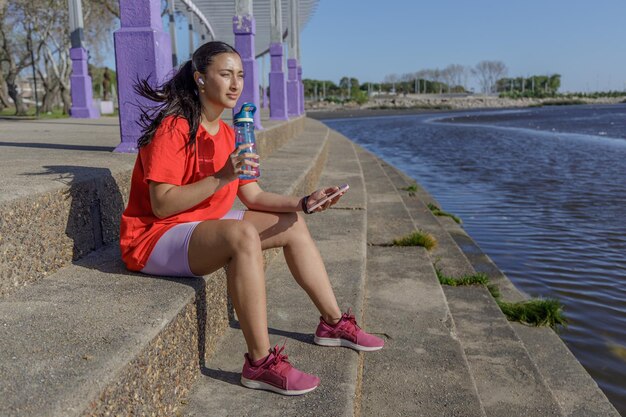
x=253, y=197
x=168, y=199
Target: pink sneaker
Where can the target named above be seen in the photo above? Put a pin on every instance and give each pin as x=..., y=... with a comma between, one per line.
x=346, y=333
x=276, y=374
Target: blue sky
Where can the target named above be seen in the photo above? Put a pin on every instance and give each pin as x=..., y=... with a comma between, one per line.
x=584, y=41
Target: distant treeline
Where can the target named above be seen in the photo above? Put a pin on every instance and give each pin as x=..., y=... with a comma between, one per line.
x=536, y=86
x=453, y=79
x=350, y=89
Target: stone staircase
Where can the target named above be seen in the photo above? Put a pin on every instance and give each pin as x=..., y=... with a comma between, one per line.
x=518, y=369
x=86, y=337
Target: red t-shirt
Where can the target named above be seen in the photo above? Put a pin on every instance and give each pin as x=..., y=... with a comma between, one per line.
x=169, y=159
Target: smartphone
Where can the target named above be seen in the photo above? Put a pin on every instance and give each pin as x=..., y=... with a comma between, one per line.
x=342, y=189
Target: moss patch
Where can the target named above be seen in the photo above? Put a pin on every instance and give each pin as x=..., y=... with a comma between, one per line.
x=534, y=312
x=417, y=238
x=438, y=212
x=474, y=279
x=412, y=189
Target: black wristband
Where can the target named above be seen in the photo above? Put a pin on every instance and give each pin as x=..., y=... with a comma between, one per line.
x=305, y=209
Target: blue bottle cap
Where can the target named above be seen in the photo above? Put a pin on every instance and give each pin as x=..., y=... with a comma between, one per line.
x=246, y=114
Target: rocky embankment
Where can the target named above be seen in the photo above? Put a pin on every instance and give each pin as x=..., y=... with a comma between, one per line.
x=445, y=102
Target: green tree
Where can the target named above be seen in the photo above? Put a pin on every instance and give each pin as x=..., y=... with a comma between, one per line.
x=324, y=88
x=554, y=82
x=344, y=85
x=309, y=86
x=354, y=87
x=534, y=86
x=97, y=78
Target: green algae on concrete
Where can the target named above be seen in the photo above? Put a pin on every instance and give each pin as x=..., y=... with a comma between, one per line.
x=417, y=238
x=412, y=189
x=534, y=312
x=437, y=211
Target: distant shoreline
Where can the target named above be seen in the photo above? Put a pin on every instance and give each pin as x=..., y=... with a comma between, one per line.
x=412, y=104
x=356, y=113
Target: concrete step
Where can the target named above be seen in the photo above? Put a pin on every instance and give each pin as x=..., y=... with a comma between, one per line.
x=64, y=190
x=308, y=151
x=340, y=236
x=506, y=379
x=577, y=393
x=94, y=339
x=422, y=371
x=447, y=255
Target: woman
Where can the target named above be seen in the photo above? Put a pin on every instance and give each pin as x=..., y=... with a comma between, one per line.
x=179, y=220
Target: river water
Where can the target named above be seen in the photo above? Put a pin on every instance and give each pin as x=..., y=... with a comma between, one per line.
x=543, y=193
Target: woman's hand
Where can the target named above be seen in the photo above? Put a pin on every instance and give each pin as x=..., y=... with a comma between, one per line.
x=236, y=163
x=319, y=195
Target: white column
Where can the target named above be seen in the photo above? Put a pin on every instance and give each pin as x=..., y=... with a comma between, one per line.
x=171, y=11
x=191, y=46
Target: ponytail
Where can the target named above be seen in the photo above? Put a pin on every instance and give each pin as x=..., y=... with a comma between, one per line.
x=178, y=96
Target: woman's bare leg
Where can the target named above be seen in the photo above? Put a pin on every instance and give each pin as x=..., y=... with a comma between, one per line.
x=289, y=231
x=215, y=243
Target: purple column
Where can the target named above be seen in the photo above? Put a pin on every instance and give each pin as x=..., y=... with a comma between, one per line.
x=244, y=28
x=293, y=93
x=80, y=87
x=300, y=89
x=142, y=50
x=278, y=88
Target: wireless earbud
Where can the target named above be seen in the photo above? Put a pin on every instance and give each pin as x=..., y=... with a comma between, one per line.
x=200, y=81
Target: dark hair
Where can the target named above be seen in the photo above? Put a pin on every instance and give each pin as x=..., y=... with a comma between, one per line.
x=179, y=95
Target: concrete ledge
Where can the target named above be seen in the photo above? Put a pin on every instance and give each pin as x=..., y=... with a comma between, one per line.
x=447, y=255
x=41, y=233
x=575, y=391
x=68, y=336
x=55, y=214
x=275, y=136
x=383, y=204
x=422, y=370
x=310, y=151
x=94, y=339
x=507, y=380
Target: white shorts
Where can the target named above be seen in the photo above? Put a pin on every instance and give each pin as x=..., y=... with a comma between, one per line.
x=170, y=255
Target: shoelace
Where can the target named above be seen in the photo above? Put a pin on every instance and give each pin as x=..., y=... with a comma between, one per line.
x=349, y=317
x=279, y=358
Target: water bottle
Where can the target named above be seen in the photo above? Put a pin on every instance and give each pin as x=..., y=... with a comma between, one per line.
x=244, y=133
